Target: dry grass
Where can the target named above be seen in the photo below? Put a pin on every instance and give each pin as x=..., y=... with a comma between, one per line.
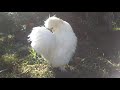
x=15, y=63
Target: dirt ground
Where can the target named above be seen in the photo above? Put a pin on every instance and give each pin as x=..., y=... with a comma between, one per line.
x=97, y=53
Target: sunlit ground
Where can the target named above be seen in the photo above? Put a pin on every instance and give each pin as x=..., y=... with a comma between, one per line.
x=16, y=63
x=116, y=29
x=18, y=60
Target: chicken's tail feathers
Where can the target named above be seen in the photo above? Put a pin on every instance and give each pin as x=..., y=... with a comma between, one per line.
x=42, y=40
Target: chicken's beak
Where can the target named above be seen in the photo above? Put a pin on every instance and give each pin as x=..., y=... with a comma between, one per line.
x=51, y=29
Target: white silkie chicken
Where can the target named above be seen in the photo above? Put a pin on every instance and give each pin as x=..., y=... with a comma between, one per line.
x=55, y=41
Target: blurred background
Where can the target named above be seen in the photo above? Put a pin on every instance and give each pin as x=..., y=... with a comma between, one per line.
x=97, y=54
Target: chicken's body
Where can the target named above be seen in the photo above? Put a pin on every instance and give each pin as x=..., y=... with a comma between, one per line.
x=57, y=47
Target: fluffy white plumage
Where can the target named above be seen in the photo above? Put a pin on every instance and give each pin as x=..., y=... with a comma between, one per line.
x=57, y=46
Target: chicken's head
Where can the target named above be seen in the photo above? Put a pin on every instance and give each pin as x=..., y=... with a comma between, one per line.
x=53, y=23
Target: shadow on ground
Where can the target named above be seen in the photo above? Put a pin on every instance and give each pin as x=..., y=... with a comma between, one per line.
x=97, y=53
